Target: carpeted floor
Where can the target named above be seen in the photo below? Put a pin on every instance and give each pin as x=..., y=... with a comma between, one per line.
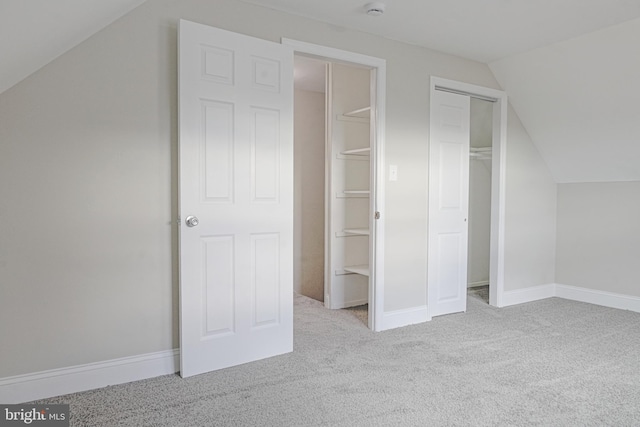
x=547, y=363
x=479, y=292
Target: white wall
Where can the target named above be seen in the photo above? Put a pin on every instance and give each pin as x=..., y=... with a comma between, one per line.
x=598, y=243
x=88, y=255
x=88, y=183
x=573, y=95
x=530, y=213
x=309, y=152
x=578, y=101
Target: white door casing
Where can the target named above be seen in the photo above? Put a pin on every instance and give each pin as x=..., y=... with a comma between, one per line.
x=498, y=176
x=236, y=177
x=448, y=203
x=377, y=320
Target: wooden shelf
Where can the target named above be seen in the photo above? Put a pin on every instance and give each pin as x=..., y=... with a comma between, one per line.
x=362, y=269
x=357, y=151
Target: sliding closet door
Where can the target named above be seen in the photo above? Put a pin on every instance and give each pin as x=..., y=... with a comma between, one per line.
x=448, y=203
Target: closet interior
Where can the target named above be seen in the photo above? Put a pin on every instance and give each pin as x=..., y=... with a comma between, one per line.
x=480, y=153
x=333, y=176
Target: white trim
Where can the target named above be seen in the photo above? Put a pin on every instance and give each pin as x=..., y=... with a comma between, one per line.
x=405, y=317
x=335, y=55
x=73, y=379
x=603, y=298
x=328, y=158
x=377, y=270
x=56, y=382
x=379, y=86
x=468, y=88
x=498, y=202
x=498, y=179
x=533, y=293
x=572, y=293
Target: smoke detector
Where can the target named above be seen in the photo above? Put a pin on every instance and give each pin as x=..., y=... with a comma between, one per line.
x=375, y=9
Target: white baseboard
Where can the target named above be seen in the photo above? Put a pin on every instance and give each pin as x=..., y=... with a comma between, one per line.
x=56, y=382
x=574, y=293
x=534, y=293
x=409, y=316
x=606, y=299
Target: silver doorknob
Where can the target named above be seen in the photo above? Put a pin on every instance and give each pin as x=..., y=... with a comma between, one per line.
x=192, y=221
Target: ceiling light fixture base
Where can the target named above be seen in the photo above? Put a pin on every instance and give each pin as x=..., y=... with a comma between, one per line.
x=375, y=8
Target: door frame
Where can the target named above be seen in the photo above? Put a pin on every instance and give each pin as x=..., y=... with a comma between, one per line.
x=378, y=90
x=498, y=178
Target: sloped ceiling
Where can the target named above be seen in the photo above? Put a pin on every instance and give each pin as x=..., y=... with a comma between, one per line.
x=35, y=32
x=570, y=67
x=483, y=30
x=580, y=102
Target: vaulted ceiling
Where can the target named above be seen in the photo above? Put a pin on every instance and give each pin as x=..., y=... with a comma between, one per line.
x=570, y=67
x=35, y=32
x=579, y=100
x=484, y=30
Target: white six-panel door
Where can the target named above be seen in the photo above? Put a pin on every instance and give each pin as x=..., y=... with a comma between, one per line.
x=236, y=178
x=448, y=203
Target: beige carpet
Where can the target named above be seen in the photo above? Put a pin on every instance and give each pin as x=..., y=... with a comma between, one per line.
x=548, y=363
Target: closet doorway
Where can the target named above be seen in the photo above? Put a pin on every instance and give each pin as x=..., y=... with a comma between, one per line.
x=450, y=154
x=338, y=192
x=480, y=167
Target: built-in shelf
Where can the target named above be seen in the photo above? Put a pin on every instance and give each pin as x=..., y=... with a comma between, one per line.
x=480, y=149
x=357, y=152
x=349, y=169
x=360, y=112
x=352, y=193
x=353, y=232
x=361, y=115
x=362, y=269
x=480, y=153
x=358, y=231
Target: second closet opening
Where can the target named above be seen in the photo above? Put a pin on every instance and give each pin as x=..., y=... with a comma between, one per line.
x=479, y=244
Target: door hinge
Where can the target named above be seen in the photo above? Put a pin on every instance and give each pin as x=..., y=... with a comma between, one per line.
x=377, y=216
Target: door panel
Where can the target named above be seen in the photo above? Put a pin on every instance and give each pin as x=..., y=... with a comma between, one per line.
x=448, y=203
x=217, y=164
x=218, y=294
x=265, y=149
x=236, y=177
